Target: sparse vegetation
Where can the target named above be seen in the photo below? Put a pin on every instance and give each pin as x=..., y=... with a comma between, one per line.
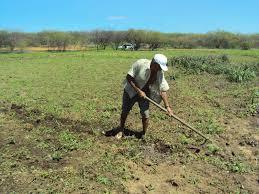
x=55, y=106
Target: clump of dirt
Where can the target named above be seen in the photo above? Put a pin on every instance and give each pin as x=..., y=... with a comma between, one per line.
x=163, y=148
x=248, y=140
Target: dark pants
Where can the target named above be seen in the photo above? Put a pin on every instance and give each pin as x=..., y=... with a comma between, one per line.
x=128, y=103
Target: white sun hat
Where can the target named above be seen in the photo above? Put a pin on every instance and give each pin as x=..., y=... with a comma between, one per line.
x=161, y=60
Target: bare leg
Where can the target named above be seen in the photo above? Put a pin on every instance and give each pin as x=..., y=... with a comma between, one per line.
x=145, y=122
x=122, y=126
x=123, y=120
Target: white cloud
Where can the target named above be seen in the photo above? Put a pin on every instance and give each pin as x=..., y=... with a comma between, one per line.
x=116, y=17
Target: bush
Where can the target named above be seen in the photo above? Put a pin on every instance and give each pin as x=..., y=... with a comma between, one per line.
x=241, y=74
x=245, y=46
x=219, y=64
x=224, y=58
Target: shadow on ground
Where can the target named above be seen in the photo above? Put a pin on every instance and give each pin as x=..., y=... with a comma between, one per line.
x=127, y=133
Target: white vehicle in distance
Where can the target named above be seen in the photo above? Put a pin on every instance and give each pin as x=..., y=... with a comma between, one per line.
x=127, y=46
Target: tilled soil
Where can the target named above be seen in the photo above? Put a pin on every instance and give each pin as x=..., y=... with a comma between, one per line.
x=156, y=167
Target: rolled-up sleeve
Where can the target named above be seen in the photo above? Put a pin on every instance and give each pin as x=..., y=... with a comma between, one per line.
x=163, y=86
x=133, y=70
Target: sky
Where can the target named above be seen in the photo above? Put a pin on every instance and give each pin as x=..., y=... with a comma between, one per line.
x=183, y=16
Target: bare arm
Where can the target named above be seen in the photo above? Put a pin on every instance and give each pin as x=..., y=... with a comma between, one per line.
x=136, y=87
x=166, y=103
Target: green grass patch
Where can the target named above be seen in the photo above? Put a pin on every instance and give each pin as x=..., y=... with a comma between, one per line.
x=70, y=141
x=217, y=64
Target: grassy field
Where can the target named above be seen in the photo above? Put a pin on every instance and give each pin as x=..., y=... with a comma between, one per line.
x=55, y=106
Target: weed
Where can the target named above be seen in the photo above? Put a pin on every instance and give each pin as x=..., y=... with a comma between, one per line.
x=184, y=139
x=43, y=145
x=193, y=180
x=44, y=174
x=213, y=148
x=23, y=153
x=133, y=154
x=69, y=141
x=210, y=126
x=107, y=191
x=46, y=130
x=103, y=180
x=56, y=156
x=106, y=115
x=213, y=128
x=238, y=167
x=253, y=107
x=234, y=166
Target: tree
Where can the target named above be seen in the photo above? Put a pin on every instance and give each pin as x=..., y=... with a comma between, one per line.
x=44, y=38
x=32, y=39
x=55, y=40
x=15, y=39
x=3, y=38
x=245, y=45
x=63, y=40
x=222, y=39
x=254, y=40
x=12, y=40
x=154, y=39
x=186, y=41
x=136, y=37
x=79, y=39
x=101, y=38
x=117, y=38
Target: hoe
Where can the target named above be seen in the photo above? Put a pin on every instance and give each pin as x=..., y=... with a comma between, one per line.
x=178, y=119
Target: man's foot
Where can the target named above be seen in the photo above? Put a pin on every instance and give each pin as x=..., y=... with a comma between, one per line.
x=140, y=135
x=113, y=132
x=119, y=135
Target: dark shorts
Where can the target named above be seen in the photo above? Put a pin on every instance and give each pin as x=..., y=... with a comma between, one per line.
x=128, y=103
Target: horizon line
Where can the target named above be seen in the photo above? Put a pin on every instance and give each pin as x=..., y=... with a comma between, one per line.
x=117, y=30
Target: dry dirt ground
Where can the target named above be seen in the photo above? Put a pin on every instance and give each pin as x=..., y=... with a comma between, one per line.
x=199, y=177
x=28, y=162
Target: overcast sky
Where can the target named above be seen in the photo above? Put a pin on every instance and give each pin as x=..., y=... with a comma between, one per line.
x=196, y=16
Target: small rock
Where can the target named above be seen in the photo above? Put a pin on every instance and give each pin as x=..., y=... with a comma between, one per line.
x=81, y=188
x=38, y=121
x=150, y=187
x=13, y=165
x=173, y=183
x=11, y=141
x=242, y=143
x=28, y=126
x=208, y=154
x=149, y=163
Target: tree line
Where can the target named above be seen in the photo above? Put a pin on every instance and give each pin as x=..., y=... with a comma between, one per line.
x=141, y=39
